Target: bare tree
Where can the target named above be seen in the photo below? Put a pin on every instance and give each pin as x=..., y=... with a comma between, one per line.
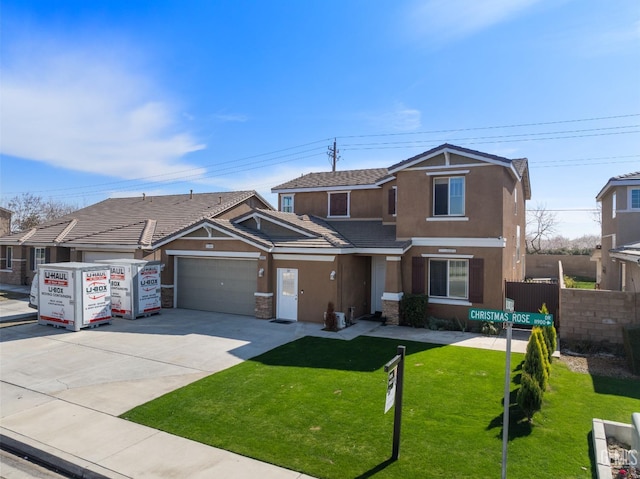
x=597, y=214
x=541, y=224
x=29, y=210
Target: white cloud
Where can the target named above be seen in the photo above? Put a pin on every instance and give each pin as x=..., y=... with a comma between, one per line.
x=400, y=119
x=86, y=112
x=445, y=20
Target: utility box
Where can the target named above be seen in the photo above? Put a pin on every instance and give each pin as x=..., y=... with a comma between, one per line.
x=135, y=287
x=74, y=295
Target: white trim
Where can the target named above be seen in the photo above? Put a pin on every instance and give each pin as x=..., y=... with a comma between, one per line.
x=101, y=247
x=167, y=286
x=392, y=296
x=263, y=295
x=209, y=238
x=456, y=302
x=452, y=256
x=303, y=257
x=213, y=254
x=394, y=258
x=447, y=173
x=287, y=195
x=461, y=242
x=455, y=151
x=231, y=235
x=448, y=218
x=275, y=221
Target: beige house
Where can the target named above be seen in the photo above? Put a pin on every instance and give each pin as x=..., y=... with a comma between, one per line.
x=448, y=223
x=617, y=258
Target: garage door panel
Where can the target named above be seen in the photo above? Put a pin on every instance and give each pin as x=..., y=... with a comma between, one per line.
x=222, y=285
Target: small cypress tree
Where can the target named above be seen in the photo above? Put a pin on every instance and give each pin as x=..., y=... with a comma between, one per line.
x=534, y=362
x=550, y=334
x=529, y=396
x=543, y=346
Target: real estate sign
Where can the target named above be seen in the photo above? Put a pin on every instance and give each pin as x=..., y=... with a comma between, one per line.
x=497, y=316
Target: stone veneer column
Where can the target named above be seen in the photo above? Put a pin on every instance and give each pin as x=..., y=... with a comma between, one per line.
x=392, y=290
x=264, y=305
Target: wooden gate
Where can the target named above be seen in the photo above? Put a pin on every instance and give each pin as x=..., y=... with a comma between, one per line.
x=528, y=297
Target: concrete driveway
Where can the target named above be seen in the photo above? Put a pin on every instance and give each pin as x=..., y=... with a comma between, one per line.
x=115, y=367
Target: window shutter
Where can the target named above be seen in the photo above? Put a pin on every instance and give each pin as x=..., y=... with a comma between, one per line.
x=476, y=280
x=392, y=201
x=417, y=275
x=32, y=259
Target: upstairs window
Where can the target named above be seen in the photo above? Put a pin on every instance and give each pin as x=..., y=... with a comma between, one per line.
x=287, y=204
x=634, y=199
x=448, y=196
x=613, y=205
x=393, y=200
x=339, y=204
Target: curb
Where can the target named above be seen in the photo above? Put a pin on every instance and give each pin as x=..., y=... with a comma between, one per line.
x=52, y=461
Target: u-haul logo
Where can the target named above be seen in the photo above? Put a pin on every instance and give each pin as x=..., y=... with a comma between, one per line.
x=96, y=290
x=56, y=278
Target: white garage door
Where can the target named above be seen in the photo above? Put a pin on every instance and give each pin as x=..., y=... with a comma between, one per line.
x=91, y=256
x=222, y=285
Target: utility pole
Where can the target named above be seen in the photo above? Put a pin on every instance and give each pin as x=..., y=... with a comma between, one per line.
x=333, y=155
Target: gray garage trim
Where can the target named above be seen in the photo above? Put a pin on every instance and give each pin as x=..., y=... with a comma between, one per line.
x=223, y=285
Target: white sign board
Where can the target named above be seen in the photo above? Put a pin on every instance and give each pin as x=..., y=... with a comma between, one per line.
x=120, y=292
x=391, y=389
x=55, y=296
x=97, y=296
x=149, y=299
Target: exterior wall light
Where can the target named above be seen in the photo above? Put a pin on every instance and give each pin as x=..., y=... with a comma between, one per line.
x=332, y=276
x=260, y=272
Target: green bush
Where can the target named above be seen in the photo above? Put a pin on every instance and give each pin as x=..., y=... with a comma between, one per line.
x=569, y=282
x=529, y=396
x=631, y=337
x=413, y=309
x=534, y=362
x=489, y=329
x=549, y=334
x=543, y=347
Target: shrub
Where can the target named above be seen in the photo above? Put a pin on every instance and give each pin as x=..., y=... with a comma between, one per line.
x=549, y=334
x=331, y=320
x=529, y=396
x=489, y=329
x=414, y=310
x=534, y=362
x=569, y=282
x=631, y=338
x=543, y=347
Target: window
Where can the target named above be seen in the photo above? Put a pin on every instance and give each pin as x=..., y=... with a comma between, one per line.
x=39, y=257
x=339, y=204
x=448, y=196
x=634, y=199
x=515, y=199
x=517, y=243
x=393, y=200
x=613, y=205
x=287, y=204
x=9, y=259
x=448, y=278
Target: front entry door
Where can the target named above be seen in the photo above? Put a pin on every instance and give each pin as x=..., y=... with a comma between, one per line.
x=287, y=307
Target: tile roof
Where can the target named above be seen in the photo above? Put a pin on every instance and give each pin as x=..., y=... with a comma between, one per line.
x=139, y=221
x=449, y=147
x=369, y=234
x=626, y=179
x=334, y=179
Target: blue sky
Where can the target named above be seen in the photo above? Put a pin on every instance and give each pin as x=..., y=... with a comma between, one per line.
x=117, y=98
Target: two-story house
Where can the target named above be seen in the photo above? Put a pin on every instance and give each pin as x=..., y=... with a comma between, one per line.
x=618, y=258
x=449, y=222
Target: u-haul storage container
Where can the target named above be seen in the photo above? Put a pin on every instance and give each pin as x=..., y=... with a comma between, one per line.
x=135, y=287
x=74, y=295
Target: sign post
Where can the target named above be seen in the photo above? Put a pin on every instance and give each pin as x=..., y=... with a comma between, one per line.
x=395, y=370
x=508, y=317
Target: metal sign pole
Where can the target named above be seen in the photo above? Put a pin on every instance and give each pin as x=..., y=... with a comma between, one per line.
x=507, y=388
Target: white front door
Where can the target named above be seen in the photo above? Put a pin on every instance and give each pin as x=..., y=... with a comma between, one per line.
x=287, y=306
x=378, y=273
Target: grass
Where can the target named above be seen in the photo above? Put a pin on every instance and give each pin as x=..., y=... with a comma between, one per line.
x=316, y=406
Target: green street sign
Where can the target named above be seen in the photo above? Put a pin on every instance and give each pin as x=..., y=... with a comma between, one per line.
x=497, y=316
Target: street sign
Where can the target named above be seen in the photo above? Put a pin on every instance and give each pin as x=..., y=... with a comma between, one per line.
x=497, y=316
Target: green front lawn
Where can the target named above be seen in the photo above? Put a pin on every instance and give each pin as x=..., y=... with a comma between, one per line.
x=316, y=406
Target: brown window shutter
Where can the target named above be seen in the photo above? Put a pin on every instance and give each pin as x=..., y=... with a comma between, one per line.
x=476, y=280
x=392, y=201
x=417, y=275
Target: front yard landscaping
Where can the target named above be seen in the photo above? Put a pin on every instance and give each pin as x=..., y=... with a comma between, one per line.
x=316, y=405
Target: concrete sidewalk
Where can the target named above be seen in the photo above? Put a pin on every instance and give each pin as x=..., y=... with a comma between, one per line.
x=62, y=391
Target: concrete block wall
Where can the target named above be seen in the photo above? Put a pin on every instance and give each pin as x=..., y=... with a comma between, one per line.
x=597, y=316
x=546, y=266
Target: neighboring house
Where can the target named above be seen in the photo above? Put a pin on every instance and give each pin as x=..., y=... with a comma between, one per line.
x=617, y=258
x=449, y=222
